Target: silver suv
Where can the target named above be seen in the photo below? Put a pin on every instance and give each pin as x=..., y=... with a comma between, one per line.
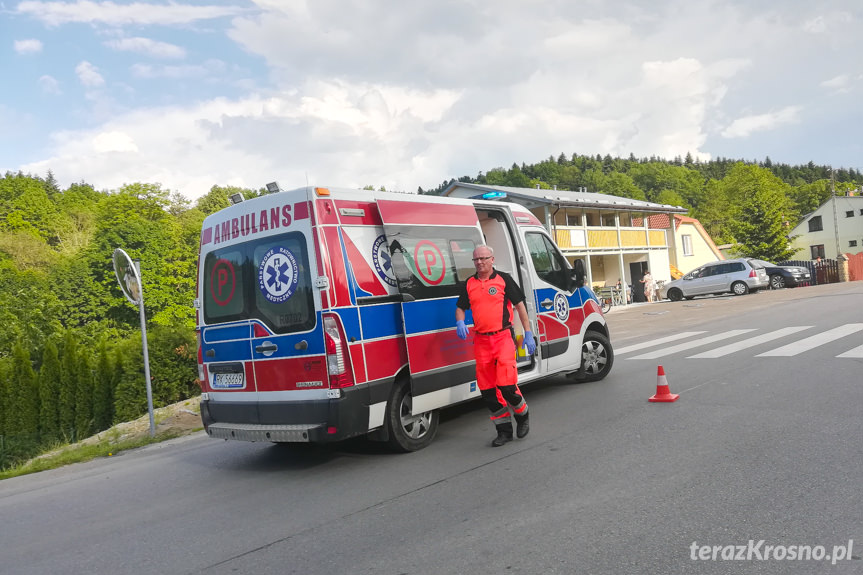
x=739, y=277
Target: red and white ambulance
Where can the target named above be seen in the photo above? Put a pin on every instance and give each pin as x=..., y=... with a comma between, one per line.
x=328, y=313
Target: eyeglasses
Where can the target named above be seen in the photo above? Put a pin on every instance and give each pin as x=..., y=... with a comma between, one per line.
x=482, y=259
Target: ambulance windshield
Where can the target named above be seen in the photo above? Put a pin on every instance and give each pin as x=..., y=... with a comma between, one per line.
x=267, y=279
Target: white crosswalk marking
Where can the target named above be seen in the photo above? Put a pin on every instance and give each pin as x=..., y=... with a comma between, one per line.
x=856, y=352
x=653, y=342
x=692, y=344
x=813, y=341
x=747, y=343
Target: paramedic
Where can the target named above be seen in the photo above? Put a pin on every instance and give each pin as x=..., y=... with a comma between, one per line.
x=491, y=295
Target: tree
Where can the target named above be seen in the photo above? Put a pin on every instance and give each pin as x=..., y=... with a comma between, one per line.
x=84, y=397
x=68, y=384
x=24, y=399
x=103, y=395
x=760, y=215
x=49, y=385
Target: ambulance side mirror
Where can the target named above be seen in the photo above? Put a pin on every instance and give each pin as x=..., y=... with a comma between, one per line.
x=577, y=277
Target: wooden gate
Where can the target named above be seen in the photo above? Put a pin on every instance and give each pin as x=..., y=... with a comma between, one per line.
x=855, y=266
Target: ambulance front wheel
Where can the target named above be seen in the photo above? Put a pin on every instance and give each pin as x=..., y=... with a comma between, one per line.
x=597, y=357
x=408, y=432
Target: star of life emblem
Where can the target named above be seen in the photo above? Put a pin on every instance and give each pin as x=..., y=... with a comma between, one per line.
x=277, y=274
x=561, y=307
x=383, y=261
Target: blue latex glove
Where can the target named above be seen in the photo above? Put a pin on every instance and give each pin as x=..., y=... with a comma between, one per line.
x=529, y=342
x=461, y=329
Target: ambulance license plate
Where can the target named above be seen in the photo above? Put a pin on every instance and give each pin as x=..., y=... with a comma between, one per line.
x=229, y=381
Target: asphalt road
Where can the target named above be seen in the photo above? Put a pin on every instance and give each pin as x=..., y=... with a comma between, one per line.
x=758, y=447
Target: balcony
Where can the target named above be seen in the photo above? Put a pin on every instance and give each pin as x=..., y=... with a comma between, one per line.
x=603, y=238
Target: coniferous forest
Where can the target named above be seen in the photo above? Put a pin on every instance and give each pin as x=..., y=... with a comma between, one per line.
x=71, y=361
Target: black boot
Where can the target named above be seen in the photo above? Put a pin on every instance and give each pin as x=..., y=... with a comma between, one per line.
x=522, y=425
x=504, y=435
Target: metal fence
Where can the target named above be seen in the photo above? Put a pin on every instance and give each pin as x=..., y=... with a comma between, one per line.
x=823, y=272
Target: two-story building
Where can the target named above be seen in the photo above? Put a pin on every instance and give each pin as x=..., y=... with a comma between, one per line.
x=837, y=223
x=617, y=238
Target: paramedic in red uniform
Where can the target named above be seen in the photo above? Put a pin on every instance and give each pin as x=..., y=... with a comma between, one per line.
x=491, y=295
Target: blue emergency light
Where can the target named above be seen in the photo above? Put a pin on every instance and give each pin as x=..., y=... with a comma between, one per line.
x=489, y=196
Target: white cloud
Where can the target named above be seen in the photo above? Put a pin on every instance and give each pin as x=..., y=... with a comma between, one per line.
x=30, y=46
x=89, y=75
x=110, y=13
x=147, y=47
x=113, y=142
x=207, y=69
x=49, y=85
x=838, y=84
x=747, y=125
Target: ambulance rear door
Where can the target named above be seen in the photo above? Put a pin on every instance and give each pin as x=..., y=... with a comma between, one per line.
x=431, y=247
x=259, y=294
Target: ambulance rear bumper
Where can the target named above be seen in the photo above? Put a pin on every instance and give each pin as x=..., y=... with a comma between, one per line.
x=258, y=432
x=321, y=420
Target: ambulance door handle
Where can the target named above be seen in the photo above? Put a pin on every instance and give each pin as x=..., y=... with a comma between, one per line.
x=301, y=345
x=547, y=303
x=267, y=347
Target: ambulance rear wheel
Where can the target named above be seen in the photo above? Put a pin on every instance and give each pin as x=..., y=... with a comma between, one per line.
x=597, y=357
x=409, y=432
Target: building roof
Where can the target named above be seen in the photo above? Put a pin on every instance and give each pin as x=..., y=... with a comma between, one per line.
x=534, y=198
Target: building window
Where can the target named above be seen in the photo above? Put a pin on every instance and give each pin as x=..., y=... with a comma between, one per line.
x=817, y=251
x=815, y=224
x=608, y=221
x=687, y=244
x=573, y=219
x=849, y=214
x=852, y=243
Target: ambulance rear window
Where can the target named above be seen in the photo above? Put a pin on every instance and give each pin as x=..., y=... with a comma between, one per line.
x=267, y=279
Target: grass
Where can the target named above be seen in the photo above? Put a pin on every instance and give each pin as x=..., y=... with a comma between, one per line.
x=119, y=438
x=55, y=458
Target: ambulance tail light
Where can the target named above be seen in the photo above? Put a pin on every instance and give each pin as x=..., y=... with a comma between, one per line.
x=202, y=373
x=338, y=361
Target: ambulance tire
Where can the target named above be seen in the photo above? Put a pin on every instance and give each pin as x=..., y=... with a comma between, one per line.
x=597, y=357
x=408, y=432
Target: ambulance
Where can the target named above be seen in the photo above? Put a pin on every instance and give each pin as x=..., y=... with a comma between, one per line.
x=327, y=313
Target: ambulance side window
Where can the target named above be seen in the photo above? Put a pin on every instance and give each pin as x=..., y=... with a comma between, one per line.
x=430, y=262
x=549, y=264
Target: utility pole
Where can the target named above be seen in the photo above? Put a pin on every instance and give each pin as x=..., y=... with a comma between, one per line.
x=835, y=213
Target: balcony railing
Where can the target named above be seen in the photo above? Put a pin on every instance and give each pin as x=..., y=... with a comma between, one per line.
x=568, y=237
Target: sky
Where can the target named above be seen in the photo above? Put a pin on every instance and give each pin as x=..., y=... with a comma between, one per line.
x=409, y=94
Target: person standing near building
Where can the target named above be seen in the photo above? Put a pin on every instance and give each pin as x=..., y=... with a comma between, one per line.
x=491, y=295
x=649, y=286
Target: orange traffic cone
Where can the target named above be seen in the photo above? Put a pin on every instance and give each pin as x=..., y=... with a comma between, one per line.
x=662, y=391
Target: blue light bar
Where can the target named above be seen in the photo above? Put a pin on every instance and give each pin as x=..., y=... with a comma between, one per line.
x=493, y=195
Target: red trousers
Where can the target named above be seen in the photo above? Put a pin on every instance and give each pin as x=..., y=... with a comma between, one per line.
x=497, y=376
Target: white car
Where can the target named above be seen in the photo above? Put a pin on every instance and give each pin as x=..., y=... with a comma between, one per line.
x=739, y=277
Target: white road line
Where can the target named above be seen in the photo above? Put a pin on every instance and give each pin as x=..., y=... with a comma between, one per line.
x=813, y=341
x=691, y=344
x=856, y=352
x=654, y=342
x=746, y=343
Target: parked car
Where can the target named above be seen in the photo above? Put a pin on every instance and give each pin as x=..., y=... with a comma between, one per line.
x=739, y=277
x=785, y=276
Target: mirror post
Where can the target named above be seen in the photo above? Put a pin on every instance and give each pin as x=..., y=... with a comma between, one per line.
x=146, y=352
